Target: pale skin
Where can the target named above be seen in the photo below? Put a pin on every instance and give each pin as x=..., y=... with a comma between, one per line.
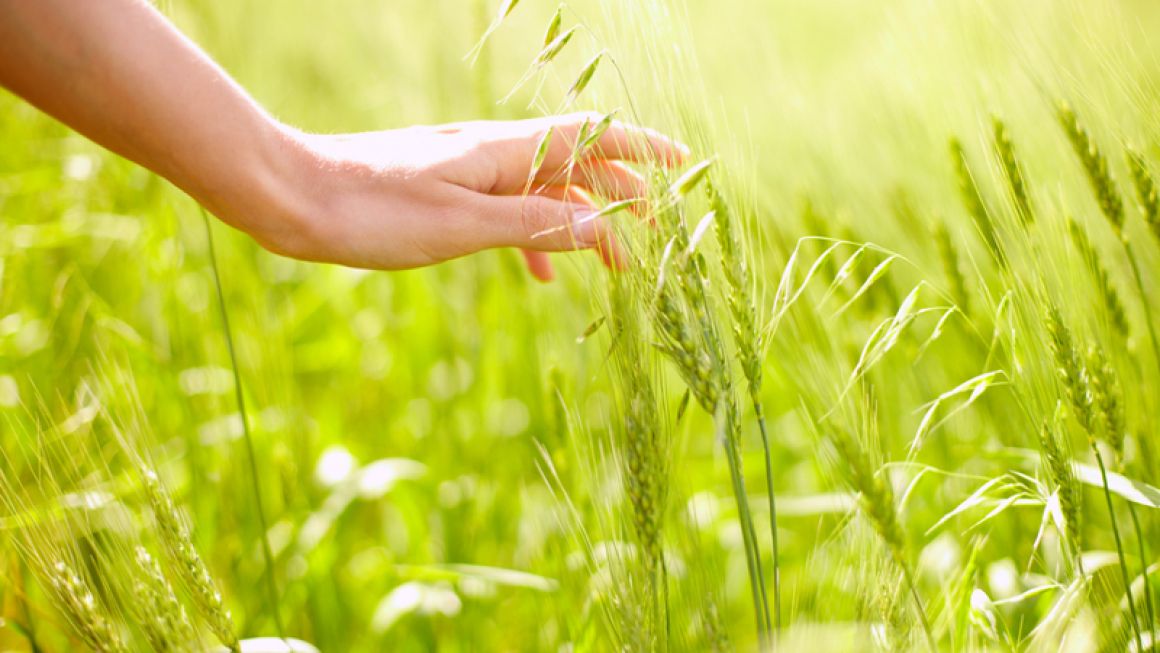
x=121, y=74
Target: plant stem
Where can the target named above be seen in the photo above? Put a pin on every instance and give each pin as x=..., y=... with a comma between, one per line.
x=664, y=572
x=1143, y=553
x=1119, y=550
x=256, y=486
x=919, y=607
x=759, y=410
x=749, y=535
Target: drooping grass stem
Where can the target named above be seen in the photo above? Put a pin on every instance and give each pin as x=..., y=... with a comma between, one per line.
x=251, y=456
x=1143, y=553
x=727, y=426
x=760, y=411
x=738, y=273
x=926, y=630
x=1119, y=550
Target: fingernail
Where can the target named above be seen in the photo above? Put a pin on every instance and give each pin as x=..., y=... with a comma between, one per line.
x=587, y=228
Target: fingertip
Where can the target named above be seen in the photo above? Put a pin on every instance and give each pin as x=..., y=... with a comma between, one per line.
x=667, y=150
x=676, y=153
x=539, y=265
x=544, y=275
x=612, y=255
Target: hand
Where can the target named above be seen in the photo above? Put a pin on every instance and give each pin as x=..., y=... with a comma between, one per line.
x=121, y=74
x=416, y=196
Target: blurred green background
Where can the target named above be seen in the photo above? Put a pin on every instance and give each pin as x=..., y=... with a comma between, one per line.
x=397, y=415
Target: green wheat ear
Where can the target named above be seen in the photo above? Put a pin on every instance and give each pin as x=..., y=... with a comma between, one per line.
x=1110, y=297
x=1095, y=408
x=1012, y=172
x=73, y=595
x=1108, y=400
x=164, y=620
x=645, y=453
x=194, y=573
x=1146, y=191
x=948, y=255
x=877, y=502
x=1095, y=166
x=1057, y=461
x=972, y=199
x=750, y=343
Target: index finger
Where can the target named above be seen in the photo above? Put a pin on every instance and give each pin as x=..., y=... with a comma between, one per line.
x=550, y=143
x=628, y=142
x=621, y=141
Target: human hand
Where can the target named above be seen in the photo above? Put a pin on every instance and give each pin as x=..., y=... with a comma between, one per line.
x=122, y=75
x=416, y=196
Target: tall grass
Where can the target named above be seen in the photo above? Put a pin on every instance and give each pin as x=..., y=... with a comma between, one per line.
x=934, y=381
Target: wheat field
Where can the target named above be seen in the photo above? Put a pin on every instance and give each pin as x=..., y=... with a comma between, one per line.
x=880, y=373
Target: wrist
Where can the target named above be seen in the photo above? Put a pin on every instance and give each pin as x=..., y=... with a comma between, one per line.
x=261, y=188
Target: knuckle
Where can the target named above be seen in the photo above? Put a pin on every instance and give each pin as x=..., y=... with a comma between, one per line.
x=536, y=215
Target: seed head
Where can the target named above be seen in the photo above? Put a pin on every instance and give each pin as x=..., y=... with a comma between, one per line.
x=179, y=547
x=1096, y=167
x=1012, y=172
x=1146, y=191
x=1108, y=294
x=76, y=600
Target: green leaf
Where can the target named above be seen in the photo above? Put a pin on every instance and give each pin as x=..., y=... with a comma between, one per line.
x=1137, y=492
x=497, y=575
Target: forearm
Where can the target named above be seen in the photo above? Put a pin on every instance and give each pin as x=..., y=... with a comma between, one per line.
x=118, y=72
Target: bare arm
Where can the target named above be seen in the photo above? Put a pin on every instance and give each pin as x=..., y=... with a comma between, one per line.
x=118, y=72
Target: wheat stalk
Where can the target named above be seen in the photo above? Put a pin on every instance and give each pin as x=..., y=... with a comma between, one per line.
x=876, y=499
x=691, y=340
x=239, y=398
x=1089, y=403
x=751, y=349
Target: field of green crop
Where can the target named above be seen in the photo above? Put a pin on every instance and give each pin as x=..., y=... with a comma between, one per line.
x=907, y=280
